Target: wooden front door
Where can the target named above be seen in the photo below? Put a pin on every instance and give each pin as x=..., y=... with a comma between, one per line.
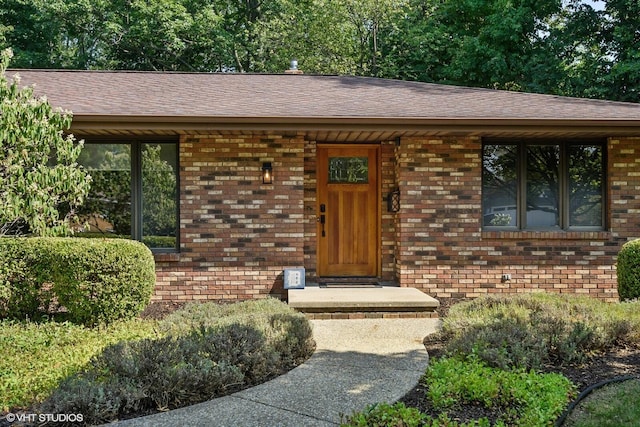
x=348, y=210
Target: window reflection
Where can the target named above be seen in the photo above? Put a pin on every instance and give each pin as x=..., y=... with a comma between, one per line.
x=159, y=190
x=349, y=170
x=585, y=185
x=543, y=186
x=107, y=209
x=113, y=208
x=500, y=185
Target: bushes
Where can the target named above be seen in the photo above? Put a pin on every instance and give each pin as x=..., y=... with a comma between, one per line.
x=288, y=332
x=628, y=271
x=94, y=281
x=203, y=354
x=525, y=398
x=526, y=331
x=384, y=414
x=37, y=356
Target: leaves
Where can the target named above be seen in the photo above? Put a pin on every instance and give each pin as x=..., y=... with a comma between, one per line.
x=40, y=183
x=550, y=46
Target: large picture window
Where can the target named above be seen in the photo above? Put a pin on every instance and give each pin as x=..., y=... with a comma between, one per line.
x=134, y=191
x=543, y=186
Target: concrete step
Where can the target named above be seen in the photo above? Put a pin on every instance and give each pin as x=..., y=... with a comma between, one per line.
x=364, y=300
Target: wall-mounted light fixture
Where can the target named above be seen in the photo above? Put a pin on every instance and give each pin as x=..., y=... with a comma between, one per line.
x=267, y=173
x=393, y=201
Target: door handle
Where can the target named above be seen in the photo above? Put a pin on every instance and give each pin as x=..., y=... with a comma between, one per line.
x=323, y=218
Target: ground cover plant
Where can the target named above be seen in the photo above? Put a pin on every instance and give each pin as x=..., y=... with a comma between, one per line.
x=517, y=340
x=37, y=356
x=202, y=351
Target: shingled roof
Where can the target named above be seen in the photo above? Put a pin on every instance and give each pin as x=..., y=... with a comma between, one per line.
x=116, y=101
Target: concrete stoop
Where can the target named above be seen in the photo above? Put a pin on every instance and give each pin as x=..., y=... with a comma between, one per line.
x=362, y=302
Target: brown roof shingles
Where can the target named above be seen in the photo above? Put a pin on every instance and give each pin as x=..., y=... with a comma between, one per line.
x=299, y=96
x=357, y=108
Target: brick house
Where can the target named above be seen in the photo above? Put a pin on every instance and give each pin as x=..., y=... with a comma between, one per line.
x=454, y=191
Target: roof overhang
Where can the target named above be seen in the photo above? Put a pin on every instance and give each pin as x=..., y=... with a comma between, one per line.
x=355, y=129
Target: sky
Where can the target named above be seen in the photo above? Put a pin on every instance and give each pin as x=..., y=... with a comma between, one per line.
x=597, y=5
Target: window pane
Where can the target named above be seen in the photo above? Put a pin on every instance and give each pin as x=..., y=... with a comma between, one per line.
x=585, y=185
x=107, y=209
x=349, y=170
x=543, y=186
x=159, y=191
x=499, y=185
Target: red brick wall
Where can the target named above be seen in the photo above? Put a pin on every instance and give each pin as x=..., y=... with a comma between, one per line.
x=443, y=250
x=236, y=234
x=387, y=220
x=310, y=210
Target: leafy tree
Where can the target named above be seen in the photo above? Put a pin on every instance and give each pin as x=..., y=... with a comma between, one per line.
x=54, y=33
x=39, y=176
x=487, y=43
x=600, y=50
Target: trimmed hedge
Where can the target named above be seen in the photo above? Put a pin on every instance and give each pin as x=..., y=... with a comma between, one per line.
x=628, y=271
x=93, y=281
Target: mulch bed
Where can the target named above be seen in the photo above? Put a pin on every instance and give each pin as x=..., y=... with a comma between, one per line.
x=616, y=362
x=159, y=310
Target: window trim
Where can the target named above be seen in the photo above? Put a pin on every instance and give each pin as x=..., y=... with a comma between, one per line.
x=563, y=183
x=136, y=143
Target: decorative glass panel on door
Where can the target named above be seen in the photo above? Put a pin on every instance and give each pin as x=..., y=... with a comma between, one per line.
x=348, y=170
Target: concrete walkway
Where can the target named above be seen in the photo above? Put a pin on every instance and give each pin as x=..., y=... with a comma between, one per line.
x=356, y=363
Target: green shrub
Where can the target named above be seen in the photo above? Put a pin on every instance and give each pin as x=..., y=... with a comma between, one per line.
x=24, y=289
x=524, y=398
x=286, y=331
x=94, y=280
x=383, y=414
x=203, y=354
x=526, y=331
x=164, y=374
x=29, y=371
x=628, y=271
x=98, y=401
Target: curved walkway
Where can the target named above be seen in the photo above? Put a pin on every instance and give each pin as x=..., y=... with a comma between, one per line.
x=356, y=363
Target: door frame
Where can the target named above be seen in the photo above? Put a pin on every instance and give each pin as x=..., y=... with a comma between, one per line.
x=378, y=213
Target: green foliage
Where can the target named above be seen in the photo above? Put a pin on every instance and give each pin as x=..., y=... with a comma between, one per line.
x=37, y=356
x=94, y=280
x=611, y=406
x=286, y=330
x=526, y=331
x=200, y=356
x=384, y=414
x=566, y=48
x=39, y=176
x=628, y=271
x=522, y=398
x=525, y=398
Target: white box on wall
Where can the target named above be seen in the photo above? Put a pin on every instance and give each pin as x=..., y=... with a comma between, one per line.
x=294, y=278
